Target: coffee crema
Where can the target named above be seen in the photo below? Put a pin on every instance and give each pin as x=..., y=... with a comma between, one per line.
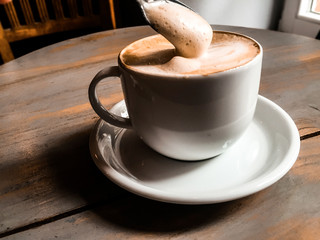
x=156, y=55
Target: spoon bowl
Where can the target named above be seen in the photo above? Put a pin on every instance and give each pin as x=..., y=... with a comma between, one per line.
x=190, y=34
x=143, y=3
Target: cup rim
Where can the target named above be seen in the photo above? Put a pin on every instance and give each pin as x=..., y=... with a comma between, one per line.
x=172, y=76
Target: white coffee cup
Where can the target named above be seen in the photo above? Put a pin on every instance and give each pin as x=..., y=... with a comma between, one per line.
x=187, y=118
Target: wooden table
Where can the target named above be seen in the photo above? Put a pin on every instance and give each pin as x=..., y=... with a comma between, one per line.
x=51, y=189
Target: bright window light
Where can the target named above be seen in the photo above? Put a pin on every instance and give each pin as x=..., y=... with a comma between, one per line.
x=309, y=10
x=315, y=6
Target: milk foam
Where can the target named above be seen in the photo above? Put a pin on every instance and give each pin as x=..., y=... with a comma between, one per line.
x=156, y=55
x=186, y=30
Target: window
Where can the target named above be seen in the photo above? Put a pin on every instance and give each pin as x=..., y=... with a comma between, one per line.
x=309, y=10
x=315, y=6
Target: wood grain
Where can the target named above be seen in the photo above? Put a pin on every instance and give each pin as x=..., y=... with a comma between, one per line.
x=47, y=175
x=287, y=210
x=46, y=119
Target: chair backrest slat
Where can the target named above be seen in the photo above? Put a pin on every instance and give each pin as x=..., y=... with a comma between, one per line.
x=12, y=15
x=73, y=8
x=112, y=14
x=87, y=7
x=57, y=8
x=43, y=11
x=37, y=20
x=27, y=12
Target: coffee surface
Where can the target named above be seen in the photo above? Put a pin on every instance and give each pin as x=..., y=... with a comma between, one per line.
x=156, y=55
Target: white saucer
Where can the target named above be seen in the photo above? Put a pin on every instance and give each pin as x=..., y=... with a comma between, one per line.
x=263, y=155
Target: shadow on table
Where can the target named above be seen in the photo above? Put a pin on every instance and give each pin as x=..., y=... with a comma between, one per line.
x=80, y=179
x=138, y=214
x=75, y=174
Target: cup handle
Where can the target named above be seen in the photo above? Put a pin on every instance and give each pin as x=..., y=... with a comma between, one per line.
x=96, y=104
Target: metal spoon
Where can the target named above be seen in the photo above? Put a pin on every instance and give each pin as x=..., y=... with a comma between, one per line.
x=190, y=34
x=144, y=2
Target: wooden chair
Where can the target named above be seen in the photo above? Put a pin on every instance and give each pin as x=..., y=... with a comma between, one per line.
x=42, y=17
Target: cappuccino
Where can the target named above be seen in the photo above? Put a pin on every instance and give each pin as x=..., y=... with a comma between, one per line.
x=156, y=55
x=176, y=103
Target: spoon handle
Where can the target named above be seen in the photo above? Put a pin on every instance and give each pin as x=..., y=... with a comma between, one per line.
x=141, y=2
x=181, y=3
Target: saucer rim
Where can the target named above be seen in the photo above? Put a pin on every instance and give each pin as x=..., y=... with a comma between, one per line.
x=224, y=195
